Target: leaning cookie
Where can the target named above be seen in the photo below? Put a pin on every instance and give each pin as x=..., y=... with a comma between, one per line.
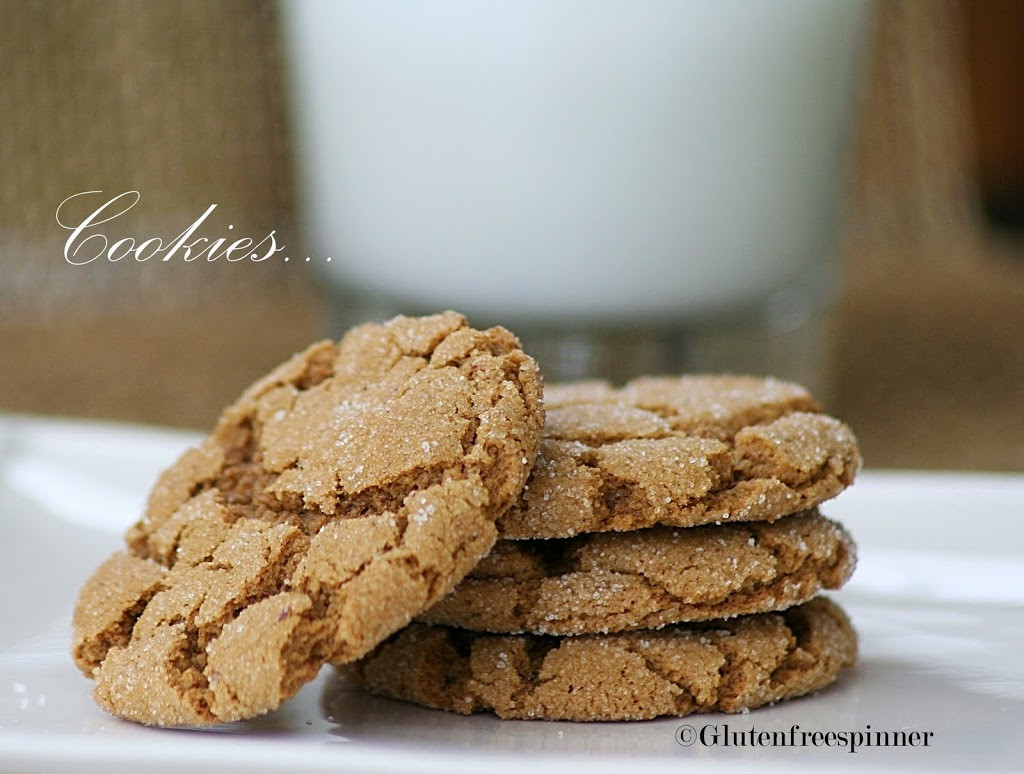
x=679, y=451
x=617, y=581
x=339, y=496
x=718, y=666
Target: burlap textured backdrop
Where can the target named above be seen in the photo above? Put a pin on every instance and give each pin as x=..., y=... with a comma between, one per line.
x=185, y=102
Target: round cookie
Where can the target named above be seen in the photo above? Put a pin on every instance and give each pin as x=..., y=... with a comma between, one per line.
x=616, y=581
x=342, y=494
x=680, y=451
x=725, y=666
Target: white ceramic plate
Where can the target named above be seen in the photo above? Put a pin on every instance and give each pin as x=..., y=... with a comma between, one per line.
x=938, y=599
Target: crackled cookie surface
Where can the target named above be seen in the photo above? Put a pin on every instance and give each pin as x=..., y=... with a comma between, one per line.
x=680, y=451
x=719, y=666
x=616, y=581
x=339, y=496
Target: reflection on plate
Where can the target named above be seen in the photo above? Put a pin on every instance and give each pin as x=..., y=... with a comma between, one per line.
x=938, y=600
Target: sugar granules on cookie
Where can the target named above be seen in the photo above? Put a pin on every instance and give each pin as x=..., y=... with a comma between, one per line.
x=617, y=581
x=662, y=556
x=680, y=451
x=341, y=495
x=725, y=666
x=658, y=563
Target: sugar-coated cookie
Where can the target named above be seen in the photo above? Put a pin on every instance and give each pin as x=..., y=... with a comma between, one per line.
x=342, y=494
x=680, y=451
x=616, y=581
x=725, y=666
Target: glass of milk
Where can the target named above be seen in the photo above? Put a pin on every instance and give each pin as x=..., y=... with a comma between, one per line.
x=614, y=180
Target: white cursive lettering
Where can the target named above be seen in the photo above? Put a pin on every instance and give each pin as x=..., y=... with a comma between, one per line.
x=81, y=246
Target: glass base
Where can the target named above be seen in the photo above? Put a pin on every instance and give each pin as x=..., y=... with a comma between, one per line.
x=792, y=345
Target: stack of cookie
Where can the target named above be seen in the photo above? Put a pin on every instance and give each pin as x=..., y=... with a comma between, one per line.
x=650, y=537
x=664, y=558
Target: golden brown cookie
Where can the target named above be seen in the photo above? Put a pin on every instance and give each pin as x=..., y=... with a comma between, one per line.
x=339, y=496
x=724, y=666
x=679, y=451
x=616, y=581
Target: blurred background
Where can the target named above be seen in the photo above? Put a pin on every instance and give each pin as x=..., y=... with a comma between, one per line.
x=920, y=348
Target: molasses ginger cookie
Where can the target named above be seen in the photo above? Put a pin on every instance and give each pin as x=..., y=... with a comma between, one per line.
x=342, y=494
x=679, y=451
x=617, y=581
x=725, y=666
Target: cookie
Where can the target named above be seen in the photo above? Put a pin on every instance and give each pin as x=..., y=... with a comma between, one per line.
x=342, y=494
x=616, y=581
x=679, y=451
x=719, y=666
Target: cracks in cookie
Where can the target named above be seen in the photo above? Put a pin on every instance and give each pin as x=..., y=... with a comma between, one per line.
x=556, y=556
x=800, y=669
x=240, y=479
x=845, y=561
x=619, y=504
x=243, y=478
x=537, y=647
x=199, y=487
x=525, y=603
x=447, y=662
x=797, y=658
x=818, y=560
x=184, y=673
x=669, y=608
x=731, y=672
x=306, y=651
x=830, y=477
x=243, y=484
x=835, y=471
x=505, y=475
x=627, y=505
x=714, y=666
x=418, y=573
x=187, y=665
x=386, y=498
x=461, y=641
x=614, y=492
x=725, y=429
x=240, y=484
x=440, y=585
x=90, y=653
x=685, y=700
x=318, y=369
x=537, y=651
x=814, y=486
x=830, y=566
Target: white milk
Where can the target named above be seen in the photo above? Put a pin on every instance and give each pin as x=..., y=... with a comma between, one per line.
x=564, y=160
